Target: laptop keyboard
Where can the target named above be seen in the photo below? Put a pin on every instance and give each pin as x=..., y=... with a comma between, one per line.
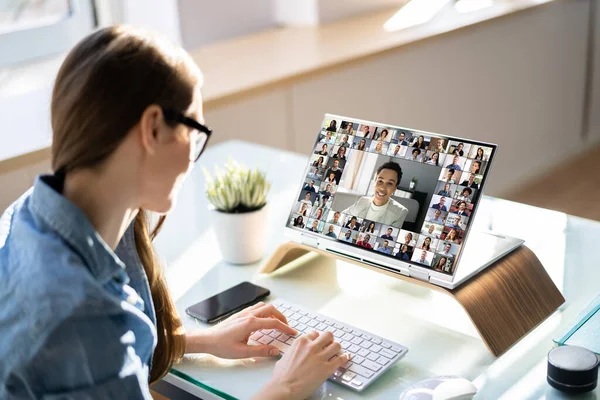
x=370, y=355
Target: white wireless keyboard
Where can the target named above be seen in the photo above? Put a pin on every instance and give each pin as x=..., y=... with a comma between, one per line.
x=370, y=355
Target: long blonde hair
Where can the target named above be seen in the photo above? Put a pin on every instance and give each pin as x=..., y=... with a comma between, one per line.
x=101, y=90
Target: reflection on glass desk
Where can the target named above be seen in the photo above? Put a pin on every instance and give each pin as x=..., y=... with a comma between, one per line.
x=440, y=336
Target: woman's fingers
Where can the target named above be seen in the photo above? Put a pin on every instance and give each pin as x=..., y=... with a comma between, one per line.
x=324, y=340
x=256, y=324
x=332, y=350
x=269, y=310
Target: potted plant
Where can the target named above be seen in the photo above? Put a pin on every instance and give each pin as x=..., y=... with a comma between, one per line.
x=413, y=183
x=238, y=196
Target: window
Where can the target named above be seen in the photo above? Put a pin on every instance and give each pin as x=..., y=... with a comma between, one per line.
x=32, y=29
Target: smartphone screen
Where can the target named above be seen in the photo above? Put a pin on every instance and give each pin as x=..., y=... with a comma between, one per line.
x=228, y=302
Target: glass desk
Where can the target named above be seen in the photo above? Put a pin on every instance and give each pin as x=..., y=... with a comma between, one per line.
x=439, y=335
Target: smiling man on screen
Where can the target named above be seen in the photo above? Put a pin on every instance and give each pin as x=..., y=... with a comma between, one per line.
x=381, y=207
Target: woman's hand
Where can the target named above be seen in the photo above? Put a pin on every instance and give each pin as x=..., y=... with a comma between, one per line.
x=229, y=339
x=306, y=365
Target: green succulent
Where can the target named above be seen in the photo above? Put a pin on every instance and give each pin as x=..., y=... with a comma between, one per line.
x=237, y=189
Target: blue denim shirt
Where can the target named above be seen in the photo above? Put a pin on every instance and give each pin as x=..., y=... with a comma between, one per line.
x=76, y=320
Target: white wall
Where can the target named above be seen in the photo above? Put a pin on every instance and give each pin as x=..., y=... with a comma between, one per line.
x=594, y=126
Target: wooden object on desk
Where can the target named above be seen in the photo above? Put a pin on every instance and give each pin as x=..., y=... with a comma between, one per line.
x=505, y=301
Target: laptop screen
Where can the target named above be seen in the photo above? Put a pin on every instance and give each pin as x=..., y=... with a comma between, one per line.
x=401, y=193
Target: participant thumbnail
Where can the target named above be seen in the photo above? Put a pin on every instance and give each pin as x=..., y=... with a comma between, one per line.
x=332, y=231
x=361, y=144
x=348, y=127
x=315, y=173
x=370, y=227
x=476, y=167
x=327, y=138
x=446, y=189
x=335, y=218
x=458, y=147
x=423, y=257
x=344, y=140
x=366, y=241
x=455, y=162
x=461, y=207
x=414, y=154
x=408, y=238
x=389, y=233
x=432, y=229
x=311, y=185
x=303, y=208
x=331, y=125
x=314, y=225
x=456, y=221
x=465, y=193
x=427, y=243
x=420, y=142
x=403, y=251
x=340, y=153
x=366, y=131
x=298, y=221
x=318, y=161
x=384, y=246
x=441, y=203
x=346, y=236
x=438, y=145
x=435, y=216
x=384, y=134
x=449, y=175
x=352, y=222
x=442, y=263
x=309, y=198
x=402, y=137
x=471, y=180
x=481, y=153
x=452, y=235
x=448, y=249
x=396, y=150
x=434, y=158
x=378, y=147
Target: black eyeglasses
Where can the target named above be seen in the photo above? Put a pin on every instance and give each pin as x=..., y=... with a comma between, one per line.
x=204, y=131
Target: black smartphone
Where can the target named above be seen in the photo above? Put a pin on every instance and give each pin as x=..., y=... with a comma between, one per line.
x=228, y=302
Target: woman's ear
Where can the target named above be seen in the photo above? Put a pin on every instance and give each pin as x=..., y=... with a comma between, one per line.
x=150, y=125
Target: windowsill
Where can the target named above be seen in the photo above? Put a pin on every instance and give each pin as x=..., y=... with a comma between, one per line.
x=240, y=67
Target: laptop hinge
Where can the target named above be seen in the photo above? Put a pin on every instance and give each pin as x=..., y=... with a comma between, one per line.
x=309, y=241
x=422, y=275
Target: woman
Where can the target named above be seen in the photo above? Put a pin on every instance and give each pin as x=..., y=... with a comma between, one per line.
x=303, y=209
x=332, y=126
x=403, y=253
x=420, y=143
x=434, y=160
x=299, y=221
x=318, y=163
x=426, y=244
x=323, y=150
x=480, y=154
x=99, y=320
x=319, y=213
x=379, y=148
x=408, y=238
x=371, y=228
x=330, y=178
x=452, y=236
x=341, y=153
x=349, y=129
x=475, y=167
x=361, y=145
x=441, y=264
x=465, y=195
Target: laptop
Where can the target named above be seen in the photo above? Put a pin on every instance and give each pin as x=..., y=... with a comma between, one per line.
x=399, y=199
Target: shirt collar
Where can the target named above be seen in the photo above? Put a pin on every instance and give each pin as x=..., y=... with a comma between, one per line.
x=71, y=224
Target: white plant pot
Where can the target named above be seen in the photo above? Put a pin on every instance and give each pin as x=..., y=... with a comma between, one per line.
x=242, y=237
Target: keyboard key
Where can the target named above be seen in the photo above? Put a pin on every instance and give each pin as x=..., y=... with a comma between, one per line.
x=321, y=326
x=265, y=339
x=328, y=322
x=363, y=352
x=302, y=312
x=256, y=335
x=338, y=326
x=290, y=341
x=283, y=305
x=387, y=353
x=371, y=365
x=382, y=360
x=293, y=323
x=339, y=333
x=345, y=344
x=348, y=376
x=353, y=349
x=373, y=356
x=288, y=313
x=281, y=346
x=375, y=348
x=320, y=319
x=365, y=344
x=301, y=328
x=385, y=345
x=396, y=350
x=338, y=372
x=330, y=329
x=295, y=316
x=304, y=320
x=357, y=359
x=355, y=332
x=376, y=341
x=312, y=323
x=360, y=370
x=365, y=336
x=346, y=329
x=293, y=308
x=266, y=331
x=275, y=334
x=283, y=337
x=356, y=382
x=347, y=336
x=356, y=340
x=347, y=364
